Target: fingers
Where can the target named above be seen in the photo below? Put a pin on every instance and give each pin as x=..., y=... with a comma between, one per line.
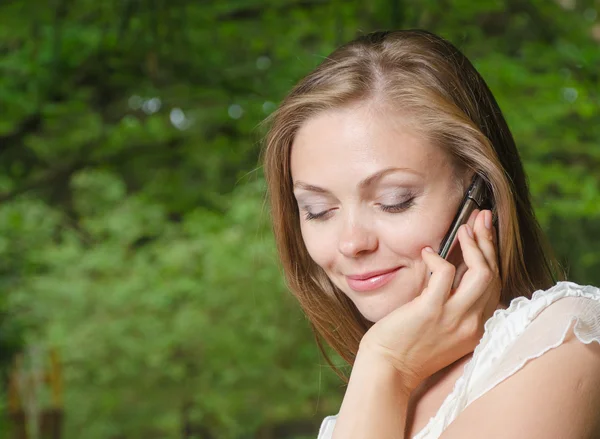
x=479, y=254
x=471, y=253
x=486, y=239
x=482, y=243
x=462, y=268
x=455, y=246
x=460, y=272
x=442, y=275
x=473, y=275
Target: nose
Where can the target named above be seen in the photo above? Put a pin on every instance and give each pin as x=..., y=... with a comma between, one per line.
x=356, y=239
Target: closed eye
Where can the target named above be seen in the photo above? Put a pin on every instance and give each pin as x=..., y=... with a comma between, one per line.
x=390, y=208
x=311, y=216
x=395, y=208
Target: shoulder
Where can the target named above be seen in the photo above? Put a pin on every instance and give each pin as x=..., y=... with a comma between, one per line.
x=557, y=392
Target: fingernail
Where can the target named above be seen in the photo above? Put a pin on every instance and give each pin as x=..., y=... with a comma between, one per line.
x=488, y=220
x=429, y=249
x=469, y=231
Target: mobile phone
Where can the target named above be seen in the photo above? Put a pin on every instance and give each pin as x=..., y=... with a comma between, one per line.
x=476, y=197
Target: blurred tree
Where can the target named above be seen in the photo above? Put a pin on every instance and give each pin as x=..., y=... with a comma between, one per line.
x=132, y=231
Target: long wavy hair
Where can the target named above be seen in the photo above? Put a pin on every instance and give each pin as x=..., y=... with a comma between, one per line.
x=430, y=81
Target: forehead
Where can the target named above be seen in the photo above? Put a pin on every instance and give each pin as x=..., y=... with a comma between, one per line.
x=361, y=140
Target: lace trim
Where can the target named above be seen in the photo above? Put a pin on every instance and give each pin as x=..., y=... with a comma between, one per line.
x=583, y=328
x=492, y=327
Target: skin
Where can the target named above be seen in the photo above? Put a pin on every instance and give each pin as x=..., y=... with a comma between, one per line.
x=374, y=195
x=424, y=325
x=356, y=235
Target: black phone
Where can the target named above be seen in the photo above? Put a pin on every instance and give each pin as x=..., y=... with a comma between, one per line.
x=476, y=197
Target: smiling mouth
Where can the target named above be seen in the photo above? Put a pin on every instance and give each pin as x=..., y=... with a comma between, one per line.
x=371, y=281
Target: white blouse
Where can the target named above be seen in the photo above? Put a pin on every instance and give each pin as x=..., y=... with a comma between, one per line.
x=512, y=337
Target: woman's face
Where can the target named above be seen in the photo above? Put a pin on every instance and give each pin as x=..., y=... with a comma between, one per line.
x=371, y=195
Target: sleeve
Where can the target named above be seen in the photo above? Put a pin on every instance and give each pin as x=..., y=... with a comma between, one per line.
x=571, y=316
x=326, y=430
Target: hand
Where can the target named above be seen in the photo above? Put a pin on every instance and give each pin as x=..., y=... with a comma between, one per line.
x=444, y=323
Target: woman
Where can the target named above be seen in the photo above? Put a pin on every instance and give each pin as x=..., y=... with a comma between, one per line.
x=367, y=160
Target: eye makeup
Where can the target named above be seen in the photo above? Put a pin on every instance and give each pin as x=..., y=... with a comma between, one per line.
x=395, y=208
x=409, y=200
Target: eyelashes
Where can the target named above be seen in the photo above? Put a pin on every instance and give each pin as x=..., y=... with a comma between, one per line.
x=311, y=216
x=393, y=208
x=396, y=208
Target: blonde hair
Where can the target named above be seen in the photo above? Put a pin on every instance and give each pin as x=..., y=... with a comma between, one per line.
x=432, y=83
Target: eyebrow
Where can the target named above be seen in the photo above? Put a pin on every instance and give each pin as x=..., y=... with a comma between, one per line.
x=363, y=184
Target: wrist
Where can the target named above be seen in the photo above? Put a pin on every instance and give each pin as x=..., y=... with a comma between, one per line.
x=376, y=401
x=375, y=360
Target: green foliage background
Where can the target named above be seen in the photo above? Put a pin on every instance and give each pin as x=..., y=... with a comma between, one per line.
x=133, y=235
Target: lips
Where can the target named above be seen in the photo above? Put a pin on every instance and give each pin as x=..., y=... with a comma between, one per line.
x=371, y=281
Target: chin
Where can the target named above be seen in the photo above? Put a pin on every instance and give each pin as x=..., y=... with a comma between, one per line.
x=376, y=308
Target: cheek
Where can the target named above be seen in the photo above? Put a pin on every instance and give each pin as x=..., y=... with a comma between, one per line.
x=414, y=234
x=319, y=244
